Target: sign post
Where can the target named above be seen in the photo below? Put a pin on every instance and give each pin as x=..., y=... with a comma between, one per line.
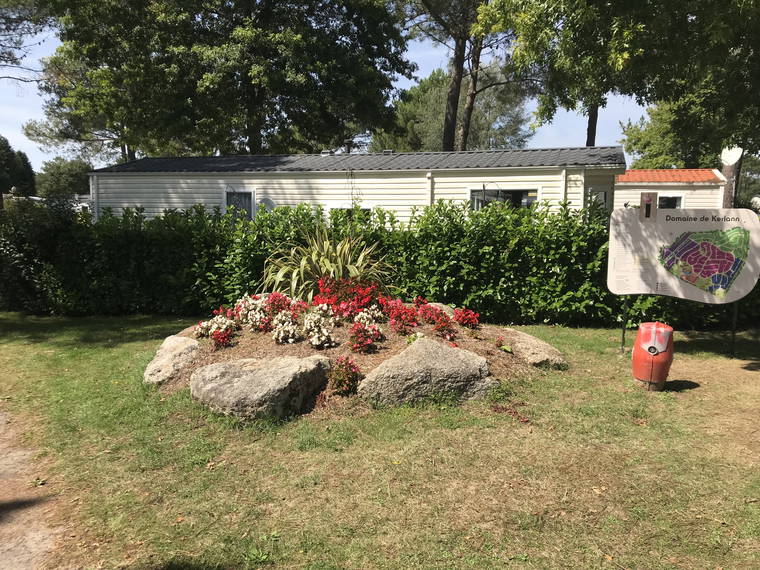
x=704, y=255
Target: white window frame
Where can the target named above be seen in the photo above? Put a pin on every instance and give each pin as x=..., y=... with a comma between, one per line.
x=229, y=188
x=680, y=195
x=536, y=189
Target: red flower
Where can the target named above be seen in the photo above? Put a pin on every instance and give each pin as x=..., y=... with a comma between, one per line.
x=363, y=337
x=444, y=327
x=276, y=303
x=429, y=314
x=344, y=376
x=467, y=318
x=221, y=339
x=403, y=320
x=345, y=297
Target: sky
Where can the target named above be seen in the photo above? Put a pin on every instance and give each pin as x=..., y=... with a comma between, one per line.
x=20, y=102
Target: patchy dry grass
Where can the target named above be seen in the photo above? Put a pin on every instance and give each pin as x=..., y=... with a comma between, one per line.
x=603, y=475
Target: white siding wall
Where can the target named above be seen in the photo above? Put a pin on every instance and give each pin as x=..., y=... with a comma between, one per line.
x=396, y=192
x=695, y=195
x=399, y=192
x=575, y=188
x=155, y=192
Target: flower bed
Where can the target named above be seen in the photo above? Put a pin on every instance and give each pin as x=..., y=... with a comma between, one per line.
x=338, y=303
x=352, y=323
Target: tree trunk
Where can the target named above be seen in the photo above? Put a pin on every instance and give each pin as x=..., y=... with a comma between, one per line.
x=253, y=119
x=593, y=118
x=464, y=128
x=452, y=97
x=2, y=206
x=732, y=172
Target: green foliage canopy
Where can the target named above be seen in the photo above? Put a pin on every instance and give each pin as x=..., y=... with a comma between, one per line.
x=61, y=178
x=214, y=76
x=19, y=21
x=499, y=119
x=660, y=51
x=674, y=135
x=683, y=135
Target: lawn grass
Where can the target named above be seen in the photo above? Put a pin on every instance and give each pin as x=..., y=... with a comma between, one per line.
x=604, y=475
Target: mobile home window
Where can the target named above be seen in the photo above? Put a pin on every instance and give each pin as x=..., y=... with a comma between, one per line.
x=241, y=201
x=598, y=197
x=669, y=202
x=517, y=198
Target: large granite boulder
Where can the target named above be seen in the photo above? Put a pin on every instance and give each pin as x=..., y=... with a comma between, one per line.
x=261, y=388
x=534, y=351
x=428, y=368
x=448, y=309
x=174, y=354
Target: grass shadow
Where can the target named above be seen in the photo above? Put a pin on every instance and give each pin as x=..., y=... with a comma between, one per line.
x=188, y=564
x=93, y=331
x=718, y=343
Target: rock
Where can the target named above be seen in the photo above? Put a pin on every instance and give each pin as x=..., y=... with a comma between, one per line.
x=448, y=309
x=261, y=388
x=445, y=308
x=172, y=356
x=534, y=351
x=428, y=368
x=189, y=331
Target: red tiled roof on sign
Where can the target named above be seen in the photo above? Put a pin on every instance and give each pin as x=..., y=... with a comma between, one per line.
x=669, y=175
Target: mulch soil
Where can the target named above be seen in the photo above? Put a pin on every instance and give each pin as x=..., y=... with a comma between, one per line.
x=249, y=344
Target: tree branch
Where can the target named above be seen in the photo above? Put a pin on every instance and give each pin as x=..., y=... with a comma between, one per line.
x=21, y=79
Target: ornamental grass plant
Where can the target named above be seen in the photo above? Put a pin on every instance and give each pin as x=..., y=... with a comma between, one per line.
x=297, y=269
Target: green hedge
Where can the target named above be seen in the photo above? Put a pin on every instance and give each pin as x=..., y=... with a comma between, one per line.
x=511, y=265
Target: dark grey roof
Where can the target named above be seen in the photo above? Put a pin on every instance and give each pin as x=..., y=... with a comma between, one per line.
x=609, y=156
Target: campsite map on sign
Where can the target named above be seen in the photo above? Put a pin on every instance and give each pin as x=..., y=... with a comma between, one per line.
x=711, y=256
x=709, y=260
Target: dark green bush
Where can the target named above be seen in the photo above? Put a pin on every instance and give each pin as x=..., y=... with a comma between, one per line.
x=511, y=265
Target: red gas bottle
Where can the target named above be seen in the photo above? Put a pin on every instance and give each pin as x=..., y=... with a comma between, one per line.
x=653, y=355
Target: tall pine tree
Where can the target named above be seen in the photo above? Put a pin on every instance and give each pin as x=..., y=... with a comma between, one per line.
x=15, y=170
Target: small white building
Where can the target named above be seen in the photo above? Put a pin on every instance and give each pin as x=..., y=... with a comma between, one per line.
x=397, y=182
x=676, y=188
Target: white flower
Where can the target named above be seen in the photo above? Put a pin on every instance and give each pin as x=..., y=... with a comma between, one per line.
x=369, y=316
x=251, y=312
x=285, y=328
x=326, y=312
x=316, y=328
x=218, y=323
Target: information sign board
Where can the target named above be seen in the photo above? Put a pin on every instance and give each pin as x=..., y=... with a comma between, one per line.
x=706, y=255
